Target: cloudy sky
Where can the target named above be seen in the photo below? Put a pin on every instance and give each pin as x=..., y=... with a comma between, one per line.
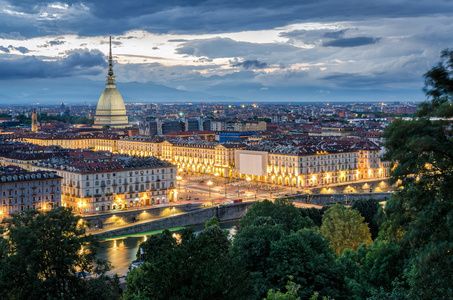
x=217, y=50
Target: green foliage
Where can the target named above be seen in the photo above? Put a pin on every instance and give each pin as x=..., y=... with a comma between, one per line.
x=275, y=241
x=419, y=217
x=439, y=88
x=314, y=214
x=252, y=246
x=369, y=209
x=66, y=119
x=306, y=256
x=156, y=246
x=212, y=222
x=43, y=252
x=196, y=267
x=282, y=211
x=270, y=255
x=291, y=294
x=374, y=269
x=344, y=228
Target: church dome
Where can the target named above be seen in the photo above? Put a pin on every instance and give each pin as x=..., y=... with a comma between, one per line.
x=110, y=101
x=111, y=110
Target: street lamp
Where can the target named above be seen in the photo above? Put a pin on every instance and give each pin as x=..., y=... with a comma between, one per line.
x=179, y=178
x=291, y=185
x=209, y=185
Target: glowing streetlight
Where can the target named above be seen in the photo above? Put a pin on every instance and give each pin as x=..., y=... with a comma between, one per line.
x=179, y=178
x=209, y=185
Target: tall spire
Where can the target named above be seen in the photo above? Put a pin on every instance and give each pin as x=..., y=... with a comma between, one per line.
x=110, y=75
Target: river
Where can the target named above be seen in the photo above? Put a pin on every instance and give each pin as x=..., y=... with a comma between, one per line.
x=123, y=250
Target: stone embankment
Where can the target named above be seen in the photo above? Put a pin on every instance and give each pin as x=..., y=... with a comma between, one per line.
x=175, y=219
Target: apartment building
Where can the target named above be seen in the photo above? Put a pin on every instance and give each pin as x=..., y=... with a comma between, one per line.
x=101, y=181
x=22, y=190
x=314, y=163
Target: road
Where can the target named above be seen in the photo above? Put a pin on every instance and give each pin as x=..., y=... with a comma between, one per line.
x=196, y=186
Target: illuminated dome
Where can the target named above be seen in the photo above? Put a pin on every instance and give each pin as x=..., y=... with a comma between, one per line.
x=110, y=110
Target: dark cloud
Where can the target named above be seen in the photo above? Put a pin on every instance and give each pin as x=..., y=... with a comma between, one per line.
x=250, y=64
x=54, y=43
x=4, y=49
x=335, y=34
x=22, y=50
x=369, y=80
x=77, y=62
x=98, y=17
x=351, y=42
x=177, y=40
x=144, y=56
x=116, y=43
x=225, y=47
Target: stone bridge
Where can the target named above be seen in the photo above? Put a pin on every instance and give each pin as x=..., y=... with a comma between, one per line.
x=171, y=217
x=363, y=186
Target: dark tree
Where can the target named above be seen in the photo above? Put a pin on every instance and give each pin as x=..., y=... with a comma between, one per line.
x=282, y=211
x=369, y=209
x=271, y=255
x=195, y=267
x=420, y=215
x=439, y=88
x=42, y=254
x=314, y=214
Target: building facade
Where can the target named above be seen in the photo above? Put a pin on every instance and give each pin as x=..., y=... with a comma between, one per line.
x=22, y=190
x=314, y=162
x=101, y=182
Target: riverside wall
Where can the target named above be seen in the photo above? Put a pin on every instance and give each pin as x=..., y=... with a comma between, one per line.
x=325, y=199
x=192, y=217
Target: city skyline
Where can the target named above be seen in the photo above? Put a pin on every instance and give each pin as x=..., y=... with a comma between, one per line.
x=214, y=51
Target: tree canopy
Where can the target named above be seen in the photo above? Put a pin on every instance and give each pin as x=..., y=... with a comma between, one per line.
x=282, y=212
x=275, y=241
x=420, y=214
x=42, y=254
x=193, y=267
x=344, y=228
x=369, y=209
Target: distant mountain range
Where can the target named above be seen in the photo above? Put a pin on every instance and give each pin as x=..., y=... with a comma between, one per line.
x=83, y=90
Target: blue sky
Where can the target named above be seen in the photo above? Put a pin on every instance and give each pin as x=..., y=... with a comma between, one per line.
x=327, y=50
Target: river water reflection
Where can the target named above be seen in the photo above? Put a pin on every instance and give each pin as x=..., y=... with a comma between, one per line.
x=122, y=251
